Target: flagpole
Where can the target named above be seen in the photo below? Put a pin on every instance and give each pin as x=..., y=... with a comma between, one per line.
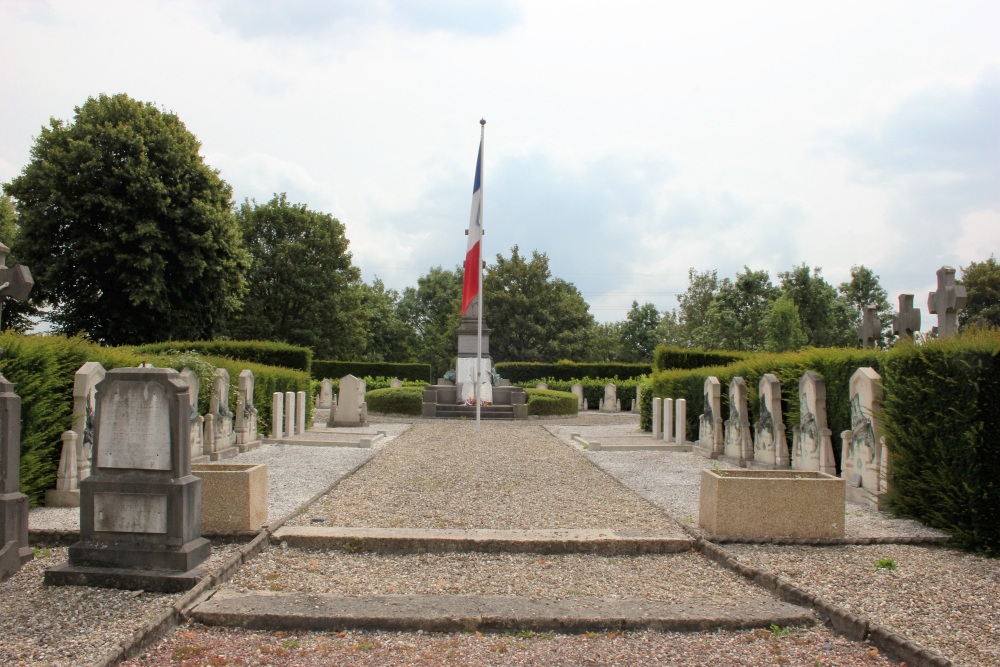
x=479, y=319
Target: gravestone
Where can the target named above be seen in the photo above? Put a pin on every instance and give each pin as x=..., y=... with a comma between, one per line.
x=668, y=420
x=738, y=442
x=84, y=381
x=67, y=491
x=247, y=437
x=223, y=444
x=680, y=436
x=300, y=412
x=325, y=395
x=15, y=281
x=770, y=442
x=710, y=433
x=542, y=385
x=947, y=302
x=290, y=414
x=610, y=401
x=277, y=415
x=140, y=508
x=14, y=549
x=191, y=379
x=657, y=418
x=907, y=321
x=812, y=445
x=637, y=401
x=351, y=409
x=861, y=456
x=577, y=390
x=395, y=383
x=870, y=328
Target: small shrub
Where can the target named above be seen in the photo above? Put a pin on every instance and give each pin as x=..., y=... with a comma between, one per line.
x=885, y=564
x=549, y=402
x=396, y=400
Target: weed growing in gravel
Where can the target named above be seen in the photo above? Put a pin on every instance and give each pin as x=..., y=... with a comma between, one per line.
x=354, y=545
x=780, y=632
x=187, y=652
x=885, y=564
x=41, y=553
x=291, y=643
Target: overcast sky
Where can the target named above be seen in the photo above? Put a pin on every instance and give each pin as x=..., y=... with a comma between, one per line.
x=629, y=141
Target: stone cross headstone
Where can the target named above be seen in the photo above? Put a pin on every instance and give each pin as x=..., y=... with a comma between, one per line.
x=140, y=508
x=812, y=444
x=191, y=379
x=224, y=437
x=610, y=401
x=907, y=321
x=710, y=432
x=246, y=414
x=770, y=441
x=577, y=390
x=325, y=394
x=870, y=327
x=738, y=441
x=15, y=281
x=947, y=302
x=351, y=409
x=14, y=548
x=861, y=456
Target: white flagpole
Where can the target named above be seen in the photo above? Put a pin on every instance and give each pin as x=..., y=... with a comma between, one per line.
x=479, y=322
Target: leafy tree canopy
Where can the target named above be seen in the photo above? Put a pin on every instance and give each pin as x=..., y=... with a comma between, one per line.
x=432, y=311
x=387, y=335
x=738, y=312
x=826, y=320
x=692, y=318
x=982, y=282
x=305, y=289
x=783, y=326
x=15, y=315
x=640, y=333
x=128, y=233
x=864, y=289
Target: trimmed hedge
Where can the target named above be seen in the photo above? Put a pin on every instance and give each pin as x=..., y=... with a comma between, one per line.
x=521, y=372
x=593, y=389
x=546, y=402
x=941, y=416
x=42, y=369
x=334, y=370
x=396, y=400
x=267, y=353
x=668, y=358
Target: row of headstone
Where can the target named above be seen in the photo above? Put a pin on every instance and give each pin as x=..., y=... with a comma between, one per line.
x=664, y=425
x=946, y=302
x=288, y=414
x=864, y=456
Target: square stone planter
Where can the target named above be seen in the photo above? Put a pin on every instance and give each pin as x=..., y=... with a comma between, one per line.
x=233, y=496
x=771, y=503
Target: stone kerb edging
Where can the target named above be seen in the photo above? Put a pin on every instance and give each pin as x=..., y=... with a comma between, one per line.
x=852, y=626
x=168, y=619
x=824, y=541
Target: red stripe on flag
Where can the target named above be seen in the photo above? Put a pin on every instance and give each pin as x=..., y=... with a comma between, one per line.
x=470, y=283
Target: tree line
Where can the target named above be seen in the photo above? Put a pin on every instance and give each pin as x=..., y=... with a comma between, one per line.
x=132, y=238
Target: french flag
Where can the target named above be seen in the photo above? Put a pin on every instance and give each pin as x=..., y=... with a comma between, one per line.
x=473, y=254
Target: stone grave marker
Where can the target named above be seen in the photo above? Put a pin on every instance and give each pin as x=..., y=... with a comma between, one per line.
x=812, y=445
x=577, y=390
x=668, y=420
x=738, y=441
x=84, y=381
x=657, y=418
x=710, y=431
x=325, y=394
x=681, y=432
x=610, y=401
x=277, y=415
x=395, y=383
x=947, y=302
x=770, y=441
x=191, y=379
x=224, y=437
x=300, y=412
x=290, y=414
x=637, y=401
x=870, y=328
x=14, y=549
x=351, y=408
x=247, y=437
x=861, y=456
x=541, y=385
x=15, y=281
x=140, y=508
x=907, y=321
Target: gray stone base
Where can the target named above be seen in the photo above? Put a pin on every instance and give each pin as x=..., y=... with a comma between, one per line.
x=227, y=453
x=203, y=458
x=708, y=452
x=62, y=498
x=249, y=446
x=107, y=555
x=157, y=581
x=14, y=549
x=862, y=496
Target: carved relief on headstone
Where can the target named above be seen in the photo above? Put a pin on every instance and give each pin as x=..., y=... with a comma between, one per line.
x=710, y=430
x=610, y=401
x=861, y=457
x=14, y=549
x=770, y=442
x=870, y=328
x=222, y=415
x=191, y=379
x=246, y=414
x=140, y=509
x=947, y=302
x=738, y=441
x=907, y=321
x=812, y=444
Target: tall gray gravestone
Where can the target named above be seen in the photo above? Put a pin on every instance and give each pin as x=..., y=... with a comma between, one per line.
x=351, y=409
x=870, y=328
x=67, y=491
x=770, y=442
x=221, y=439
x=710, y=431
x=14, y=549
x=140, y=508
x=812, y=444
x=947, y=302
x=907, y=321
x=738, y=441
x=246, y=414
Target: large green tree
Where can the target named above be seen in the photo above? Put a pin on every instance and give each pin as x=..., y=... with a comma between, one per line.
x=826, y=319
x=128, y=233
x=864, y=289
x=640, y=332
x=738, y=314
x=534, y=317
x=15, y=315
x=387, y=335
x=305, y=289
x=783, y=326
x=982, y=283
x=432, y=311
x=692, y=313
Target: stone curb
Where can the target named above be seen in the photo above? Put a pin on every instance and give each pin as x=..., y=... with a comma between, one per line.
x=827, y=541
x=852, y=626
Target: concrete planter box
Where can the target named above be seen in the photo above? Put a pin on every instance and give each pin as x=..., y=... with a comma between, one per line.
x=771, y=503
x=233, y=496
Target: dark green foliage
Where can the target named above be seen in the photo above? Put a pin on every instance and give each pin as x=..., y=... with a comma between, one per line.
x=942, y=422
x=520, y=372
x=827, y=320
x=666, y=358
x=593, y=388
x=640, y=332
x=335, y=370
x=548, y=402
x=396, y=400
x=15, y=314
x=129, y=235
x=982, y=282
x=432, y=313
x=261, y=352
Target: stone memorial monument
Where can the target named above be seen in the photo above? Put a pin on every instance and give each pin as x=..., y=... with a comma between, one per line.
x=610, y=401
x=191, y=379
x=247, y=437
x=325, y=395
x=947, y=302
x=738, y=441
x=351, y=408
x=15, y=281
x=710, y=433
x=812, y=445
x=770, y=441
x=870, y=328
x=75, y=466
x=140, y=508
x=577, y=390
x=14, y=549
x=861, y=456
x=465, y=369
x=223, y=438
x=907, y=321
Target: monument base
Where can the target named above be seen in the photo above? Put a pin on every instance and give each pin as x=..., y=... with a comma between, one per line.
x=227, y=453
x=156, y=581
x=14, y=549
x=62, y=498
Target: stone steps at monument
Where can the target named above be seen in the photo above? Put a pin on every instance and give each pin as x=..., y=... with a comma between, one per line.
x=418, y=540
x=469, y=412
x=266, y=610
